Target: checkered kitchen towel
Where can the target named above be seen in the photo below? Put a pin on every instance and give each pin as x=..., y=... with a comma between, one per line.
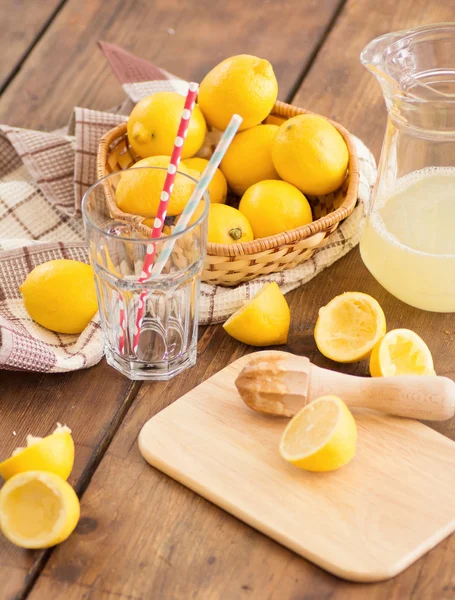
x=43, y=177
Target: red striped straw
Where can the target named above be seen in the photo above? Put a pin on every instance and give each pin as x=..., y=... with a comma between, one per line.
x=164, y=201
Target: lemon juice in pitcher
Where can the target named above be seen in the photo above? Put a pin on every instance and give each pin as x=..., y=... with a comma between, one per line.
x=408, y=242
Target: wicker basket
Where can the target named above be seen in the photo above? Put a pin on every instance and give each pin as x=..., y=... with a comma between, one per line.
x=231, y=264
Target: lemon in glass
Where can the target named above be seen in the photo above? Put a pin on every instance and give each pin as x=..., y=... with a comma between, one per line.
x=154, y=122
x=139, y=190
x=60, y=295
x=218, y=185
x=273, y=207
x=245, y=85
x=248, y=159
x=311, y=154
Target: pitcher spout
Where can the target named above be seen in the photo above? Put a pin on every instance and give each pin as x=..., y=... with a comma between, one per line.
x=373, y=56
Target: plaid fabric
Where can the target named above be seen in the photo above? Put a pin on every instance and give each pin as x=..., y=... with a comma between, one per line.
x=43, y=177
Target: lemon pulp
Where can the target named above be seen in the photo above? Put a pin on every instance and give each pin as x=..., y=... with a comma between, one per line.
x=349, y=326
x=321, y=437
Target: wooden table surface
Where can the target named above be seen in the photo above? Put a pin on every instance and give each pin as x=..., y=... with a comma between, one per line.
x=142, y=535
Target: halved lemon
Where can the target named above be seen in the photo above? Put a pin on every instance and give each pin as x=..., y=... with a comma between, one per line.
x=38, y=509
x=401, y=352
x=349, y=326
x=321, y=437
x=53, y=453
x=263, y=321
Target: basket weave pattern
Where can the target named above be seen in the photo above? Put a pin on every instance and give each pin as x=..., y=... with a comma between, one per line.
x=231, y=264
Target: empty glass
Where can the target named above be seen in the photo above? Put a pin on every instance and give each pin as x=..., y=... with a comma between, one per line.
x=166, y=341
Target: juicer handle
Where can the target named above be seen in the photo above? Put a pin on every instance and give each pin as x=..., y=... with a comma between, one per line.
x=430, y=398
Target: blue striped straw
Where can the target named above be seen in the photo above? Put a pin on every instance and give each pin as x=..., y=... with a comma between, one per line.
x=199, y=191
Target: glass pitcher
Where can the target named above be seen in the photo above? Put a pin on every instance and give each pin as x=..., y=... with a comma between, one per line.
x=408, y=243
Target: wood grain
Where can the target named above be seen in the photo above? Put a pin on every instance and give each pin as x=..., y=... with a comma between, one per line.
x=66, y=68
x=282, y=383
x=34, y=403
x=186, y=38
x=185, y=546
x=338, y=86
x=22, y=21
x=355, y=522
x=142, y=535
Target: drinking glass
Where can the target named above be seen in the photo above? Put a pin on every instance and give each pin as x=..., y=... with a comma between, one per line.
x=166, y=341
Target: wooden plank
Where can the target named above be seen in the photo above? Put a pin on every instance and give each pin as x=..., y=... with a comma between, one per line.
x=185, y=38
x=209, y=441
x=338, y=86
x=66, y=68
x=160, y=540
x=91, y=402
x=23, y=21
x=165, y=540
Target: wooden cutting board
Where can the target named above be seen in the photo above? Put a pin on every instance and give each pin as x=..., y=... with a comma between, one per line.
x=366, y=522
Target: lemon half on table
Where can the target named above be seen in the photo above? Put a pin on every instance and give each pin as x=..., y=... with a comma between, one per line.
x=38, y=509
x=263, y=321
x=401, y=352
x=349, y=327
x=54, y=453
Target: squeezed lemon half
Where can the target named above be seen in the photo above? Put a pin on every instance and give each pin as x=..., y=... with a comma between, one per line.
x=401, y=352
x=38, y=509
x=349, y=326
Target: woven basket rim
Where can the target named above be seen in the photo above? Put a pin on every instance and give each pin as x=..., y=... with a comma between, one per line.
x=281, y=109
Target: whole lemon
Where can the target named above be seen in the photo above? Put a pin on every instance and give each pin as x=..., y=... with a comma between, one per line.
x=154, y=122
x=227, y=225
x=249, y=158
x=242, y=84
x=139, y=190
x=272, y=207
x=60, y=295
x=217, y=187
x=311, y=154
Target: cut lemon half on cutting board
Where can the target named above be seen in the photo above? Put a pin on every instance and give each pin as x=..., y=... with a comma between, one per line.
x=53, y=453
x=349, y=326
x=321, y=437
x=401, y=352
x=263, y=321
x=38, y=509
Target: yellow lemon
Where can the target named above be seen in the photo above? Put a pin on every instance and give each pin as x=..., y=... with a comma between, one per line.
x=139, y=190
x=227, y=225
x=245, y=85
x=401, y=352
x=311, y=154
x=38, y=509
x=321, y=437
x=349, y=326
x=53, y=453
x=263, y=321
x=249, y=158
x=217, y=187
x=60, y=295
x=273, y=207
x=154, y=122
